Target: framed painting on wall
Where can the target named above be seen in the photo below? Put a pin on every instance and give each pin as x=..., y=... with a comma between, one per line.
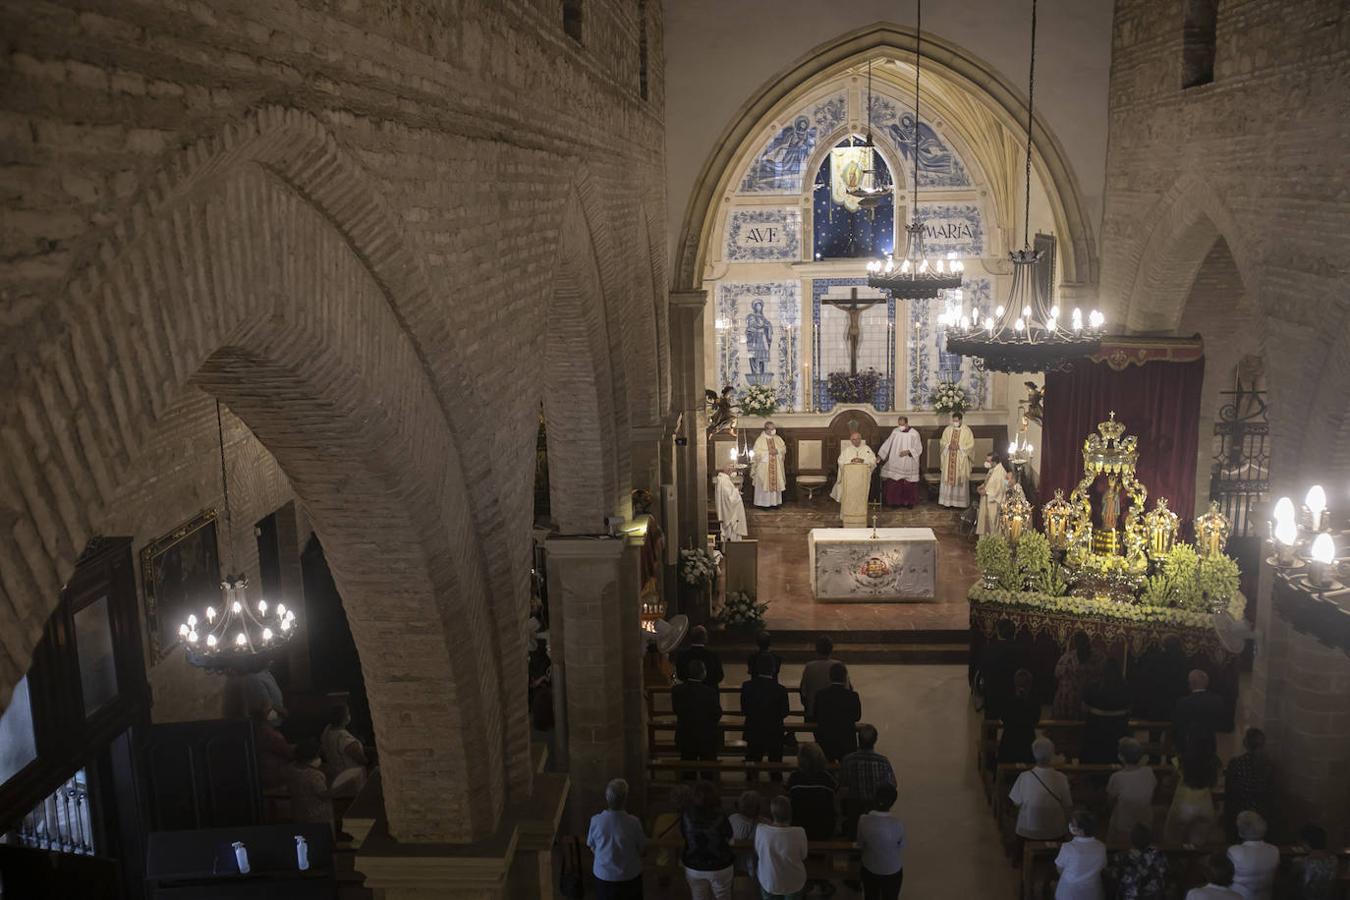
x=181, y=574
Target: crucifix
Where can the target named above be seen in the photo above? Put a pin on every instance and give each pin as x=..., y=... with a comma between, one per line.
x=853, y=303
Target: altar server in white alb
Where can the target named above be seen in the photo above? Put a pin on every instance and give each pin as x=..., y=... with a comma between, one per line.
x=900, y=466
x=730, y=507
x=957, y=442
x=991, y=495
x=853, y=452
x=769, y=469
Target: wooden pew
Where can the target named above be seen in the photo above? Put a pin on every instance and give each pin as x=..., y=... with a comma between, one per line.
x=658, y=701
x=1184, y=867
x=1154, y=736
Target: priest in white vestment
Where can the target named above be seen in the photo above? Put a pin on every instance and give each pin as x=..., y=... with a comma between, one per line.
x=900, y=466
x=852, y=498
x=730, y=507
x=768, y=469
x=957, y=442
x=991, y=495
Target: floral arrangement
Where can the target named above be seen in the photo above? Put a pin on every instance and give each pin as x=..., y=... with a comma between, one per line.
x=1103, y=608
x=1175, y=583
x=741, y=611
x=860, y=387
x=994, y=557
x=759, y=400
x=1217, y=578
x=1037, y=567
x=949, y=397
x=697, y=567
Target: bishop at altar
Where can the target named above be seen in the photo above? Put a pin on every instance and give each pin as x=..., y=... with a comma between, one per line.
x=957, y=442
x=769, y=468
x=853, y=482
x=730, y=507
x=900, y=466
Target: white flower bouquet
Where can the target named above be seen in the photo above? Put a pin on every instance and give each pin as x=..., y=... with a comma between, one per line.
x=949, y=397
x=697, y=567
x=1103, y=608
x=741, y=611
x=759, y=400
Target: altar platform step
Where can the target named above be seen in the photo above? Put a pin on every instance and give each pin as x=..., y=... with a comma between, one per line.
x=800, y=518
x=894, y=647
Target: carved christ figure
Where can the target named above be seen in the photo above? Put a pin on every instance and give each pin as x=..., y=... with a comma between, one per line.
x=1111, y=504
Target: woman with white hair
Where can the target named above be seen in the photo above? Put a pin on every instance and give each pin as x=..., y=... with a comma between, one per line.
x=617, y=840
x=1042, y=797
x=1254, y=860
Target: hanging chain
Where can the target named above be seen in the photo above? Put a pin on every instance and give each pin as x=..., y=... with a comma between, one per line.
x=869, y=104
x=918, y=56
x=1031, y=104
x=225, y=484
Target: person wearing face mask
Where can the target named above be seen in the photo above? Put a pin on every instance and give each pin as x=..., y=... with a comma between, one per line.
x=954, y=449
x=853, y=502
x=769, y=468
x=991, y=495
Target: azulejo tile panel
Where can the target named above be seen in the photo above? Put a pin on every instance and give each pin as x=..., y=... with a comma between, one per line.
x=758, y=328
x=952, y=228
x=939, y=165
x=830, y=351
x=929, y=361
x=764, y=235
x=777, y=168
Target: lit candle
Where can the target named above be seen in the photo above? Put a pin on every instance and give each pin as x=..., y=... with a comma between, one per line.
x=240, y=640
x=1286, y=534
x=1323, y=554
x=1316, y=501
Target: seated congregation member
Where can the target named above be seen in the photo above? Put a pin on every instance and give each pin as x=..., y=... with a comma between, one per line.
x=1042, y=797
x=1140, y=873
x=744, y=821
x=1081, y=861
x=861, y=774
x=816, y=675
x=1106, y=705
x=1130, y=792
x=1198, y=716
x=344, y=757
x=1079, y=666
x=261, y=689
x=811, y=789
x=274, y=752
x=780, y=854
x=1313, y=876
x=881, y=838
x=1190, y=819
x=698, y=651
x=1254, y=861
x=617, y=840
x=763, y=641
x=698, y=712
x=1248, y=780
x=1219, y=871
x=311, y=799
x=1021, y=714
x=838, y=711
x=764, y=703
x=709, y=862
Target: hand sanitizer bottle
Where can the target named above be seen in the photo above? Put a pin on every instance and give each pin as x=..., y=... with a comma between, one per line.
x=301, y=852
x=241, y=857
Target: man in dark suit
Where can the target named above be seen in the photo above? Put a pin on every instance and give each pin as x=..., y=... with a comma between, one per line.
x=1198, y=716
x=838, y=711
x=762, y=642
x=698, y=650
x=698, y=712
x=764, y=702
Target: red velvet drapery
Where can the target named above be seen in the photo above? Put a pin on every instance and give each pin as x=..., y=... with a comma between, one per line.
x=1159, y=402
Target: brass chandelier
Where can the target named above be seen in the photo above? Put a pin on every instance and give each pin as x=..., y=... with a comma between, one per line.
x=1025, y=333
x=915, y=277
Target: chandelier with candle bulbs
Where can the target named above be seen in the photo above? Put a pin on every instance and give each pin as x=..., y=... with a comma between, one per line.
x=238, y=636
x=1025, y=333
x=1312, y=570
x=915, y=276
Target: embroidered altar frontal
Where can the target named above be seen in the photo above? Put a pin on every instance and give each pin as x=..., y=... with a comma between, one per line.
x=850, y=565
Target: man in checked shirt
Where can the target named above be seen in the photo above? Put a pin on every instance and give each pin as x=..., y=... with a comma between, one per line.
x=860, y=774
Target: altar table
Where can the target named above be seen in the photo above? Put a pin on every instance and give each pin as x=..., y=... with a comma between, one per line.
x=849, y=565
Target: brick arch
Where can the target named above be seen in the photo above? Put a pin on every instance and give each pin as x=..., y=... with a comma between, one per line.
x=248, y=284
x=1188, y=219
x=585, y=408
x=650, y=359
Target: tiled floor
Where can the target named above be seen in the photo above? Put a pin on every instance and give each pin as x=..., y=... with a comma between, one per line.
x=785, y=581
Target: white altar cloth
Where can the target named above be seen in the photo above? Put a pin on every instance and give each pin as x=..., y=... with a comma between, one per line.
x=848, y=564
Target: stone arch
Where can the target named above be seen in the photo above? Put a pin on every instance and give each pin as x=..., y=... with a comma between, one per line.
x=1157, y=279
x=652, y=351
x=242, y=270
x=585, y=406
x=941, y=58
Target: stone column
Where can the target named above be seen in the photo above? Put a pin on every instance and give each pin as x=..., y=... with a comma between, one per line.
x=687, y=387
x=595, y=597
